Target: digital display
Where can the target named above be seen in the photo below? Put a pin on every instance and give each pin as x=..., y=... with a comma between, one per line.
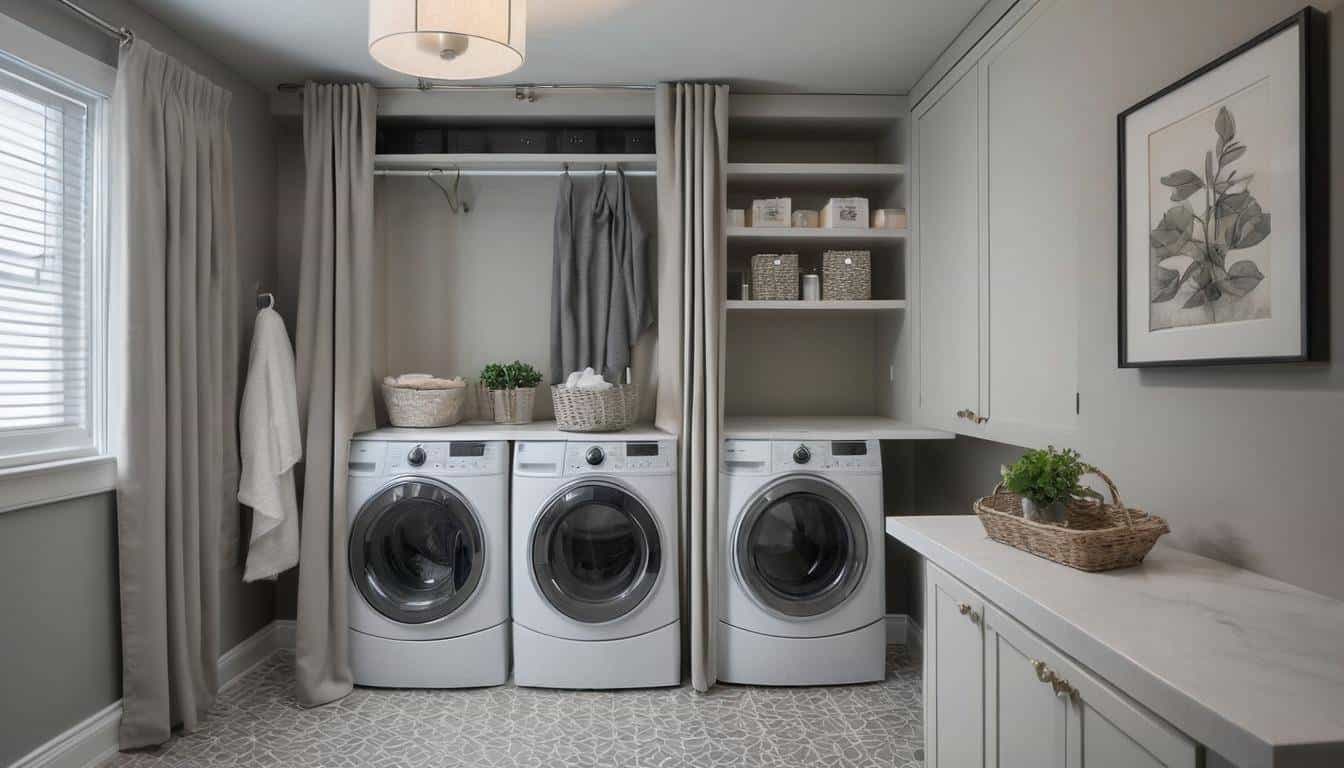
x=466, y=449
x=641, y=449
x=849, y=449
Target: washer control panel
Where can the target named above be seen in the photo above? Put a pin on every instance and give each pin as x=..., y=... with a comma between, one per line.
x=434, y=459
x=826, y=455
x=629, y=458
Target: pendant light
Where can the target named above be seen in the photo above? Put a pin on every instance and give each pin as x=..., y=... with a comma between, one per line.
x=448, y=39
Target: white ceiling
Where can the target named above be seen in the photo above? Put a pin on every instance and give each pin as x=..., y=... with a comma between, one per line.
x=845, y=46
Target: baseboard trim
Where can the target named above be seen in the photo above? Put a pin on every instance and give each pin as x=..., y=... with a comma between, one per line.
x=88, y=743
x=94, y=740
x=898, y=626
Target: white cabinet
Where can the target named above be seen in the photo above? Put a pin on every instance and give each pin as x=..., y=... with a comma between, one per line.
x=1038, y=707
x=998, y=249
x=953, y=675
x=948, y=170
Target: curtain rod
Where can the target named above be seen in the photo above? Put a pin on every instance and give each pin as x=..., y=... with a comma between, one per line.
x=124, y=34
x=500, y=172
x=521, y=91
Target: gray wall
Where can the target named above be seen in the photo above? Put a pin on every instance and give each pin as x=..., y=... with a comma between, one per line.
x=59, y=654
x=1243, y=461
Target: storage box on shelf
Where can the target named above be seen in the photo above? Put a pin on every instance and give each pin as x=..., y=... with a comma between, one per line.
x=846, y=275
x=774, y=276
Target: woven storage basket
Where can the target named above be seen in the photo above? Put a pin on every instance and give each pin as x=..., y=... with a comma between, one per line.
x=583, y=410
x=774, y=276
x=1097, y=537
x=408, y=407
x=846, y=276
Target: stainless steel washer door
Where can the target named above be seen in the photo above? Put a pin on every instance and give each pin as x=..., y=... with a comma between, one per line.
x=416, y=551
x=596, y=552
x=801, y=548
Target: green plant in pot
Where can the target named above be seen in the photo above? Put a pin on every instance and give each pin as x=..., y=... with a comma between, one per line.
x=513, y=386
x=1047, y=480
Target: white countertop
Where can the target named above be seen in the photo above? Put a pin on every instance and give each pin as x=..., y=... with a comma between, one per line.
x=827, y=428
x=537, y=430
x=1251, y=667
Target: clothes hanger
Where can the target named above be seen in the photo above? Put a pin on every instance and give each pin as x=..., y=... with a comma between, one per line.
x=454, y=198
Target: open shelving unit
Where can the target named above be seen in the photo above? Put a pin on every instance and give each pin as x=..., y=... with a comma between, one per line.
x=814, y=367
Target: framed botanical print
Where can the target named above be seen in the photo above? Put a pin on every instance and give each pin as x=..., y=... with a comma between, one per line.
x=1223, y=186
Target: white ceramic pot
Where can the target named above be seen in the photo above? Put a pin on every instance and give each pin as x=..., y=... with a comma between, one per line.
x=1055, y=513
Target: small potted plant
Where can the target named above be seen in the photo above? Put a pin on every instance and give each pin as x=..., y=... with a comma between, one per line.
x=1047, y=480
x=513, y=386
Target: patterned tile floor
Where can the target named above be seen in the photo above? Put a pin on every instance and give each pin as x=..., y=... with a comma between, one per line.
x=256, y=722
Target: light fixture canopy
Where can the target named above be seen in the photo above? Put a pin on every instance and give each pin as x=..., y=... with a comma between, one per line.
x=448, y=39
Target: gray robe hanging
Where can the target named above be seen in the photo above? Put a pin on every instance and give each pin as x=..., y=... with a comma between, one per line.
x=600, y=299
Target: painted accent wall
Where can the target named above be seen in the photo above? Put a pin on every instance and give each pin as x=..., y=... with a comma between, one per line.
x=60, y=656
x=1243, y=461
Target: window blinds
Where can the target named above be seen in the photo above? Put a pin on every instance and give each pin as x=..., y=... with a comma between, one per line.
x=47, y=179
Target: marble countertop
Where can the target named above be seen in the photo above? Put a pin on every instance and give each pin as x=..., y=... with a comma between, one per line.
x=826, y=428
x=1250, y=667
x=537, y=430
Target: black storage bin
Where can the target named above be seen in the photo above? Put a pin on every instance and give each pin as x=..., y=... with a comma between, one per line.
x=465, y=141
x=579, y=140
x=519, y=140
x=427, y=141
x=638, y=141
x=627, y=141
x=394, y=140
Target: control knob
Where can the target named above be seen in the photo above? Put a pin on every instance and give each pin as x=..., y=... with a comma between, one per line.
x=595, y=456
x=417, y=456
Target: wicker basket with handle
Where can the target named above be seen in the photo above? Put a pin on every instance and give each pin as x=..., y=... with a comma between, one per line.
x=1097, y=537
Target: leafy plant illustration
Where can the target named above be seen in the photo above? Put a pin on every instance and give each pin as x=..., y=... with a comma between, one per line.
x=1232, y=220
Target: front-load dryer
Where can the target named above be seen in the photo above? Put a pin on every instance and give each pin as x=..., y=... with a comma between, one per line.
x=595, y=588
x=427, y=547
x=802, y=581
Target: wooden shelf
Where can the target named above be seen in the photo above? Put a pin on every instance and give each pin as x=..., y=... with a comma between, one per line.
x=826, y=428
x=519, y=163
x=855, y=237
x=814, y=174
x=870, y=305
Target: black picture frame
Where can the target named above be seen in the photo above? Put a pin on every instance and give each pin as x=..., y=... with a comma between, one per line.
x=1313, y=63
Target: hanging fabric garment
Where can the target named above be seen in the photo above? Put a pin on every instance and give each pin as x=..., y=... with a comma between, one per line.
x=173, y=240
x=270, y=446
x=599, y=288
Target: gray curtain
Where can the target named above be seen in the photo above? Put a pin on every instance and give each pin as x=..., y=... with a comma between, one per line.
x=691, y=121
x=177, y=456
x=334, y=358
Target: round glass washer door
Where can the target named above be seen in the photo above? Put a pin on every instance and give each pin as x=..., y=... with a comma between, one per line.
x=801, y=548
x=416, y=551
x=596, y=552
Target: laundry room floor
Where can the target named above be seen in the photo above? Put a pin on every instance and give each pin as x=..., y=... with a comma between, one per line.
x=257, y=722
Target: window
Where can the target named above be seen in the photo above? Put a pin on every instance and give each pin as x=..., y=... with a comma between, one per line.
x=53, y=263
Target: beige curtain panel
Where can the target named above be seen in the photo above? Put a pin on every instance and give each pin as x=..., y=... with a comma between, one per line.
x=691, y=121
x=334, y=355
x=177, y=454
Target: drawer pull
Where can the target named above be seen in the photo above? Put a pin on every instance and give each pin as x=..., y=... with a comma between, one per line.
x=1059, y=685
x=1043, y=672
x=966, y=611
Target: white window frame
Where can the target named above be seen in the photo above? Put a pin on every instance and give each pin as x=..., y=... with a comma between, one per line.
x=45, y=476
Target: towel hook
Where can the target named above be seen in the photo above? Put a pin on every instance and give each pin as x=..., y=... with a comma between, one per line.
x=265, y=301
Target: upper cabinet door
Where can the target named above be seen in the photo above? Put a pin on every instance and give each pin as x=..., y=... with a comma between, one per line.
x=1033, y=238
x=948, y=253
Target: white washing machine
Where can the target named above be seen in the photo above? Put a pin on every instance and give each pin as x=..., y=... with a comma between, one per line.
x=428, y=551
x=595, y=585
x=803, y=592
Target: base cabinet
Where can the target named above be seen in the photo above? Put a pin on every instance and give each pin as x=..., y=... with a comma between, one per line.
x=1038, y=707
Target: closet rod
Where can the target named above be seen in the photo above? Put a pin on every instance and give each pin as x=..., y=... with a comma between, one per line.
x=502, y=172
x=124, y=34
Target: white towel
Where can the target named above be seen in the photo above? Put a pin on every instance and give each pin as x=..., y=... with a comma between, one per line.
x=271, y=445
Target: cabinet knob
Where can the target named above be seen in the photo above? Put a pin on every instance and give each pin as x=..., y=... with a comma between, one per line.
x=1043, y=672
x=969, y=613
x=1063, y=689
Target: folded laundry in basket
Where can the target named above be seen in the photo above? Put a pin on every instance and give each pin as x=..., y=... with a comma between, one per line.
x=422, y=381
x=587, y=379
